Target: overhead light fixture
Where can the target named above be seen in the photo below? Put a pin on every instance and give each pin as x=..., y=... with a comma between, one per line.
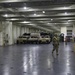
x=65, y=7
x=6, y=15
x=69, y=20
x=13, y=19
x=34, y=14
x=51, y=19
x=43, y=11
x=31, y=24
x=65, y=13
x=25, y=7
x=25, y=22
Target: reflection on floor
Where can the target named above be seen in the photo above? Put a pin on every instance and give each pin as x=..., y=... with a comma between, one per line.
x=37, y=60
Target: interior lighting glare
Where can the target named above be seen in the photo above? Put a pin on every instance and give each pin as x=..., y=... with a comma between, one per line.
x=24, y=22
x=65, y=7
x=43, y=11
x=14, y=19
x=65, y=13
x=51, y=19
x=25, y=8
x=6, y=15
x=34, y=14
x=69, y=20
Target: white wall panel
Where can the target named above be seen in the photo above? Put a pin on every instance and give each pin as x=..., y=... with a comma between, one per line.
x=22, y=30
x=1, y=38
x=64, y=30
x=25, y=29
x=74, y=30
x=16, y=32
x=10, y=33
x=8, y=30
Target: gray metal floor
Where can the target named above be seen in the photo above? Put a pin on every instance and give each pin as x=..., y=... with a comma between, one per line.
x=37, y=60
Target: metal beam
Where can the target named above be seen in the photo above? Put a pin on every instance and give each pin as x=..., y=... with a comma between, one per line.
x=51, y=1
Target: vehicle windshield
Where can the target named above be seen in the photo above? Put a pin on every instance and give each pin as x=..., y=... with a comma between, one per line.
x=26, y=34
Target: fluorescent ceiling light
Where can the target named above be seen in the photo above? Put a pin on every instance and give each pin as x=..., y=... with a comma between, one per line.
x=5, y=15
x=25, y=22
x=43, y=11
x=25, y=7
x=12, y=19
x=31, y=24
x=65, y=7
x=65, y=13
x=34, y=14
x=51, y=19
x=69, y=20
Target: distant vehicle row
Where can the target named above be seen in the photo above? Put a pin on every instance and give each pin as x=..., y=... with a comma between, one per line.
x=33, y=38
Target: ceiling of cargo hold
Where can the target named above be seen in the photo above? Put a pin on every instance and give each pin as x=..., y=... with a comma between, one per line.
x=45, y=14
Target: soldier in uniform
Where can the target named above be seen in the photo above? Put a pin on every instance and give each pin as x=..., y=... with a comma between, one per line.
x=55, y=43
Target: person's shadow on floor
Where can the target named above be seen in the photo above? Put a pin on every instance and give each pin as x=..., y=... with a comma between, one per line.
x=55, y=58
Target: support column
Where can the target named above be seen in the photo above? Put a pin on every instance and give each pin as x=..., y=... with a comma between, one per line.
x=1, y=38
x=74, y=30
x=8, y=31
